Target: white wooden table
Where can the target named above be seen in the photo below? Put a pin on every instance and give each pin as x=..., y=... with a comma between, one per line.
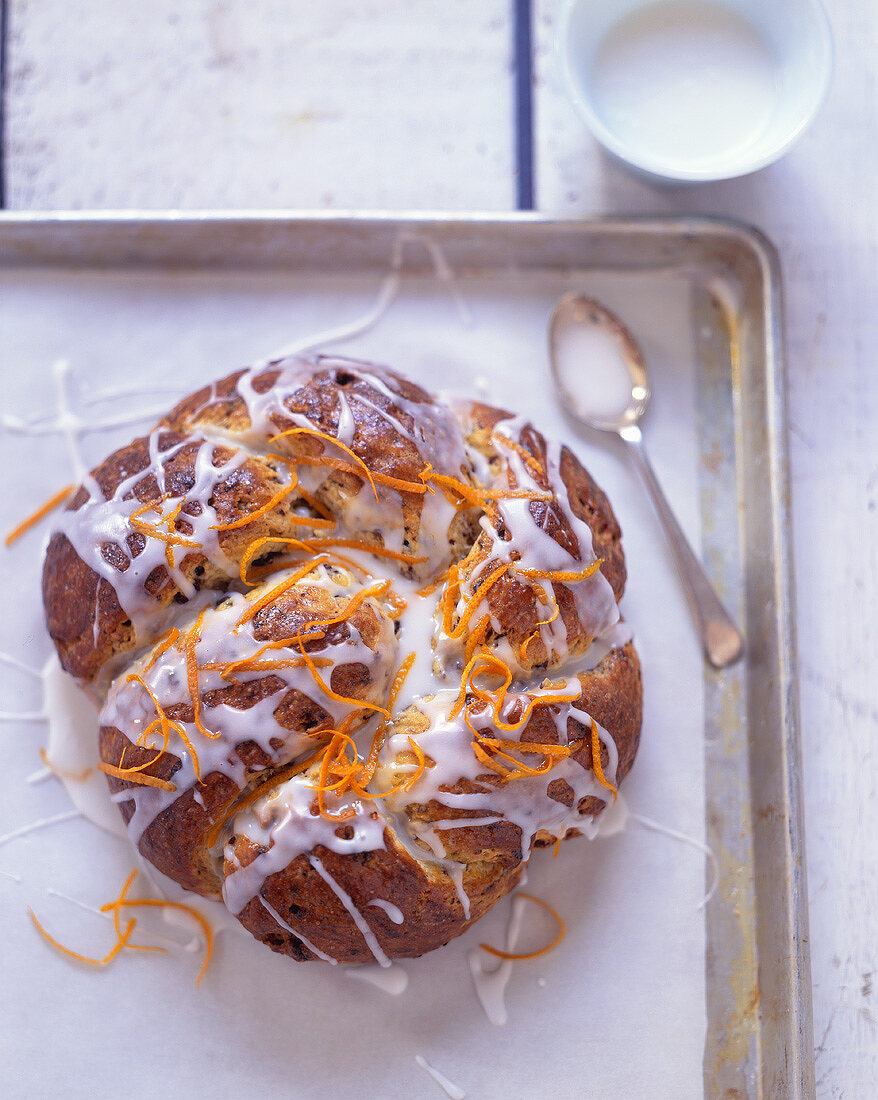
x=400, y=104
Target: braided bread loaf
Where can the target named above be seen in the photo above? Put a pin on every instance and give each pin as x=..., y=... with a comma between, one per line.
x=358, y=651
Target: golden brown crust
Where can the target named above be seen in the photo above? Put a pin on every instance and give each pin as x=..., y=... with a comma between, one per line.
x=83, y=614
x=398, y=431
x=425, y=895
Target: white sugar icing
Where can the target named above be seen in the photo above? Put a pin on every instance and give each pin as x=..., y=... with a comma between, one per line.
x=283, y=824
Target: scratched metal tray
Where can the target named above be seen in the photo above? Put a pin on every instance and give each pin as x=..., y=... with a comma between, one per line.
x=759, y=1036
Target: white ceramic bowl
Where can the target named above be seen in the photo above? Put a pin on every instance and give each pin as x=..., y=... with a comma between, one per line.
x=696, y=89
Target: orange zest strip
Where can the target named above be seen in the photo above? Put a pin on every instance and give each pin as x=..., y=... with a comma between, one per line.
x=255, y=546
x=360, y=544
x=522, y=452
x=354, y=602
x=155, y=530
x=465, y=492
x=159, y=903
x=359, y=704
x=275, y=780
x=514, y=494
x=314, y=503
x=520, y=769
x=466, y=676
x=472, y=602
x=367, y=770
x=272, y=594
x=253, y=575
x=165, y=724
x=399, y=679
x=192, y=640
x=562, y=928
x=249, y=664
x=532, y=748
x=116, y=918
x=540, y=700
x=63, y=773
x=596, y=761
x=280, y=495
x=477, y=637
x=121, y=941
x=489, y=761
x=337, y=442
x=430, y=588
x=375, y=476
x=135, y=770
x=165, y=643
x=138, y=777
x=422, y=763
x=567, y=575
x=476, y=497
x=35, y=517
x=522, y=651
x=329, y=756
x=399, y=483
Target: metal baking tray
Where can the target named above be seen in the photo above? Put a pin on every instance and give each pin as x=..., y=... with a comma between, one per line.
x=759, y=1036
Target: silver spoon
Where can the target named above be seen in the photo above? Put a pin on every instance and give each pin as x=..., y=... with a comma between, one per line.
x=722, y=641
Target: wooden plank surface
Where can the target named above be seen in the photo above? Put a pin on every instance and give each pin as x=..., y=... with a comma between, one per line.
x=356, y=103
x=229, y=103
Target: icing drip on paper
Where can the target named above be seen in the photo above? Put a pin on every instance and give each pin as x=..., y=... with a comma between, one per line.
x=490, y=985
x=388, y=291
x=73, y=748
x=389, y=979
x=674, y=834
x=448, y=1087
x=69, y=425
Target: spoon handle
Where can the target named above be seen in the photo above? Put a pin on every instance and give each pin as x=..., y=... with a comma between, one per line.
x=721, y=639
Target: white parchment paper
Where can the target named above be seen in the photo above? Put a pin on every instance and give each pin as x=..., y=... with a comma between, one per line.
x=617, y=1010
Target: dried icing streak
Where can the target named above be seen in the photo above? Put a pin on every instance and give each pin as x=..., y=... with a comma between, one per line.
x=387, y=294
x=449, y=1087
x=68, y=424
x=391, y=979
x=491, y=984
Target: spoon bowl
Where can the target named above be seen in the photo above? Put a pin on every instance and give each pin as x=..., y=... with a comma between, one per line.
x=574, y=313
x=581, y=328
